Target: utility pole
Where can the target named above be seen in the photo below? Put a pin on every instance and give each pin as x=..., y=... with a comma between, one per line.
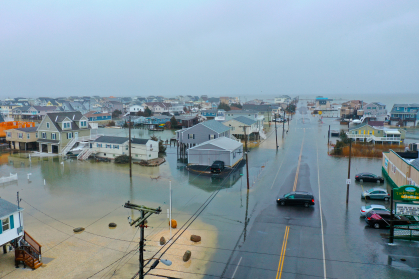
x=268, y=119
x=247, y=159
x=328, y=140
x=283, y=125
x=139, y=222
x=349, y=171
x=276, y=133
x=129, y=148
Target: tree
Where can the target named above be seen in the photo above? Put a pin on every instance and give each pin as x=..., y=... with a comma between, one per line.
x=173, y=122
x=185, y=109
x=116, y=113
x=111, y=123
x=140, y=113
x=237, y=105
x=162, y=148
x=224, y=106
x=147, y=112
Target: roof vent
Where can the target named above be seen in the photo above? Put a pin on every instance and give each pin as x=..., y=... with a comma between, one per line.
x=74, y=116
x=56, y=118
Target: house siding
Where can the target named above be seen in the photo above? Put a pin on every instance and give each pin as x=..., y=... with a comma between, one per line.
x=9, y=235
x=201, y=133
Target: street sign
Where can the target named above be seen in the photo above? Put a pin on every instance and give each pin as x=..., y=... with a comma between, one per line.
x=407, y=209
x=348, y=181
x=406, y=193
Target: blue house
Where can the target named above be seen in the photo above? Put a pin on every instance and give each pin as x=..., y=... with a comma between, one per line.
x=209, y=113
x=157, y=119
x=405, y=115
x=98, y=116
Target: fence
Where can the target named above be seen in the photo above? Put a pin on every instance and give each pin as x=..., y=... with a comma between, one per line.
x=408, y=232
x=10, y=178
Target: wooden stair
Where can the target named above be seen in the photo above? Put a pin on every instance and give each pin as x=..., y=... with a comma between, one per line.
x=25, y=257
x=28, y=252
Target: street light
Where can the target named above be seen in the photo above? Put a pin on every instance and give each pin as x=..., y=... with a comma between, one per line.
x=165, y=262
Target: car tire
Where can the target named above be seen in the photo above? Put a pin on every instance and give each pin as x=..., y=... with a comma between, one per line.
x=376, y=226
x=378, y=181
x=361, y=180
x=386, y=199
x=367, y=197
x=282, y=203
x=306, y=204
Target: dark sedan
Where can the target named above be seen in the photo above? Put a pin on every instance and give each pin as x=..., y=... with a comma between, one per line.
x=381, y=219
x=368, y=177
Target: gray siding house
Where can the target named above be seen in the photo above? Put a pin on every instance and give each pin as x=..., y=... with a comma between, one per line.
x=202, y=132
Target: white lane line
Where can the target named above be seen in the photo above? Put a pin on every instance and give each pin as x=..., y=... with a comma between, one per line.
x=232, y=277
x=321, y=212
x=273, y=182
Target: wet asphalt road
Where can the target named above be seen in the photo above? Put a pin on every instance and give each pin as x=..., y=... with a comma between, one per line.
x=328, y=240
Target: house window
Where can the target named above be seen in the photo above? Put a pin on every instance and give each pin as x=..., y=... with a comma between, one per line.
x=28, y=136
x=5, y=224
x=66, y=125
x=116, y=146
x=9, y=134
x=53, y=136
x=20, y=135
x=48, y=125
x=234, y=155
x=191, y=136
x=83, y=123
x=211, y=136
x=36, y=134
x=44, y=135
x=108, y=146
x=69, y=135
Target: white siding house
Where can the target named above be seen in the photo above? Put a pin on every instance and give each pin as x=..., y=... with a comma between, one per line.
x=224, y=149
x=112, y=147
x=11, y=222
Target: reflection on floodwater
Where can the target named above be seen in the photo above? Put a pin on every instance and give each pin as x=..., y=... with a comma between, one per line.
x=215, y=182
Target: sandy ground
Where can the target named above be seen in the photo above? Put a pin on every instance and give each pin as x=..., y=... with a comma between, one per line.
x=70, y=255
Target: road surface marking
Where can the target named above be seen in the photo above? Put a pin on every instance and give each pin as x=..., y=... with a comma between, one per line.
x=277, y=173
x=298, y=167
x=283, y=251
x=321, y=213
x=236, y=268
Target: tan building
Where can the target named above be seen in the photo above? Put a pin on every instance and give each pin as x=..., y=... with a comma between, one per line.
x=401, y=168
x=22, y=138
x=225, y=100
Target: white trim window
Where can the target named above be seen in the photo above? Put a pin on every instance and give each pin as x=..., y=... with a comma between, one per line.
x=83, y=123
x=47, y=125
x=20, y=135
x=28, y=136
x=191, y=136
x=44, y=135
x=66, y=125
x=53, y=136
x=69, y=135
x=9, y=134
x=5, y=223
x=115, y=146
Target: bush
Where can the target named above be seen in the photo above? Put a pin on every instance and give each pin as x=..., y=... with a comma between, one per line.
x=123, y=159
x=162, y=148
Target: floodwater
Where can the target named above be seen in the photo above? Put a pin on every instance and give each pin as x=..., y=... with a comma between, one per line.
x=63, y=194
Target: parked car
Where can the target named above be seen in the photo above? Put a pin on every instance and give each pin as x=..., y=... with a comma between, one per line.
x=381, y=219
x=376, y=194
x=296, y=198
x=365, y=209
x=368, y=177
x=217, y=166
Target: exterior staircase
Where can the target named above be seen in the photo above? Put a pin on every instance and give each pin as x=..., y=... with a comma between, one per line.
x=262, y=134
x=69, y=145
x=84, y=154
x=28, y=251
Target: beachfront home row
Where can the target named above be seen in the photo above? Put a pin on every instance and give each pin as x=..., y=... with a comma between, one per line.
x=112, y=147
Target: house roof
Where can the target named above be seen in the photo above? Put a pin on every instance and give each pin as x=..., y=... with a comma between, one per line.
x=139, y=141
x=248, y=111
x=7, y=208
x=244, y=120
x=110, y=139
x=24, y=108
x=29, y=129
x=222, y=142
x=415, y=163
x=60, y=116
x=45, y=108
x=214, y=125
x=96, y=113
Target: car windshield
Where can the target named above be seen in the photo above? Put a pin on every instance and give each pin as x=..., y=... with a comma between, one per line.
x=368, y=207
x=286, y=195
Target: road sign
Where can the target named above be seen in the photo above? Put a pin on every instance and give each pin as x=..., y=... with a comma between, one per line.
x=348, y=181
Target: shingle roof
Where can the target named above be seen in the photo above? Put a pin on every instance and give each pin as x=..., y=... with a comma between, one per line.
x=139, y=141
x=109, y=139
x=222, y=142
x=245, y=120
x=215, y=126
x=243, y=111
x=60, y=116
x=7, y=208
x=29, y=129
x=415, y=163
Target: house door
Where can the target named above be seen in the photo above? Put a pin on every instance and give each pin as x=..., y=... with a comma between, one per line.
x=76, y=135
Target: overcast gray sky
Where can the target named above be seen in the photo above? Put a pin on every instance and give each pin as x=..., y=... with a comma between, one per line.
x=139, y=48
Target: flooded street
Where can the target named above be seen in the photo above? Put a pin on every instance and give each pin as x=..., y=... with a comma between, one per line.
x=92, y=194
